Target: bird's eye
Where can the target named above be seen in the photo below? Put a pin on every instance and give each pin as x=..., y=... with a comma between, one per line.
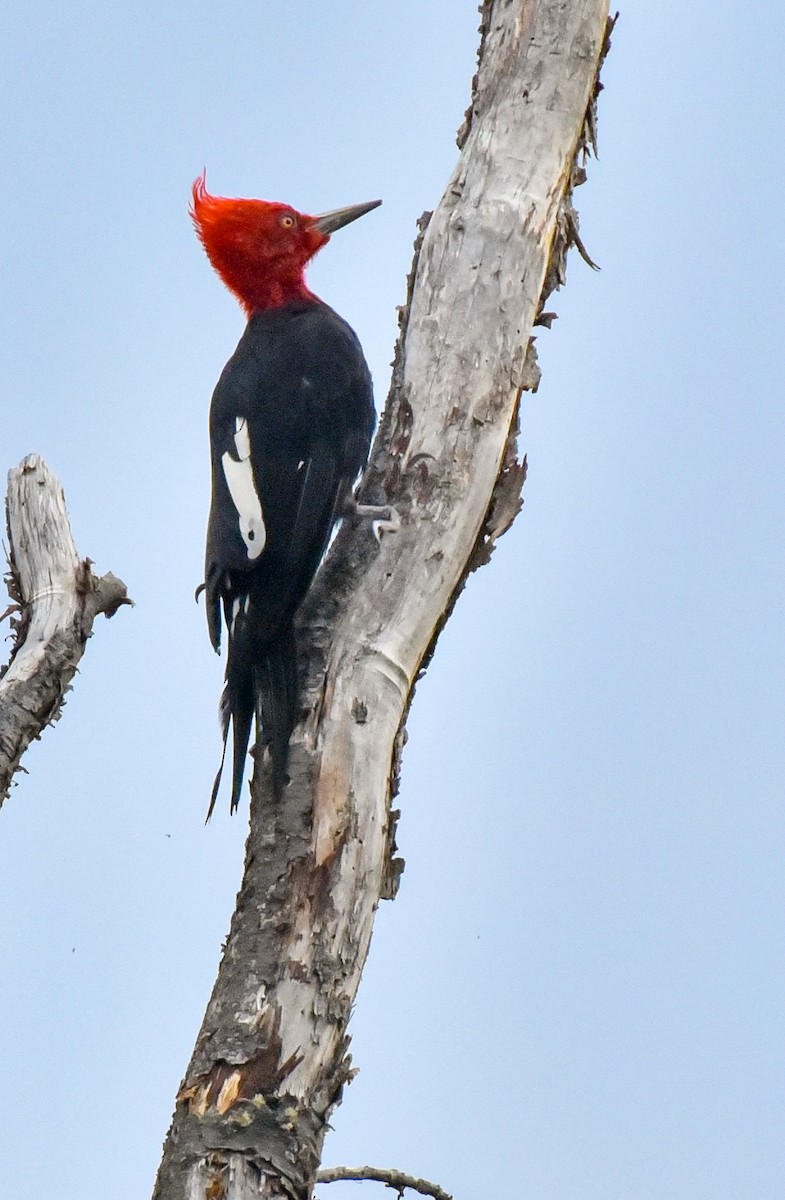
x=287, y=221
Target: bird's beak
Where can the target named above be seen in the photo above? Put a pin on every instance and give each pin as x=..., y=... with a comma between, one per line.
x=330, y=221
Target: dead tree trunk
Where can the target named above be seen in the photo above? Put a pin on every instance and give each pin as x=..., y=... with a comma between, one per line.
x=55, y=599
x=271, y=1057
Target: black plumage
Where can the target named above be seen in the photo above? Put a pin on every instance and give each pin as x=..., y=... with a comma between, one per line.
x=290, y=428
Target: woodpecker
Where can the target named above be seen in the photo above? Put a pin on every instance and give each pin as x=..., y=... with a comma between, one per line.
x=290, y=428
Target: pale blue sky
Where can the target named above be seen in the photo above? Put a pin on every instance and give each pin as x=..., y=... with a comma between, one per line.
x=579, y=993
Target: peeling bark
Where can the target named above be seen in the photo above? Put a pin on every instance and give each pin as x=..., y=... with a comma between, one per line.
x=55, y=598
x=271, y=1057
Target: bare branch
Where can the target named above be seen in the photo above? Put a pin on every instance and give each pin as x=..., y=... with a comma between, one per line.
x=55, y=599
x=393, y=1179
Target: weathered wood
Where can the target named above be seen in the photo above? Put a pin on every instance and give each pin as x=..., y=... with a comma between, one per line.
x=271, y=1057
x=55, y=599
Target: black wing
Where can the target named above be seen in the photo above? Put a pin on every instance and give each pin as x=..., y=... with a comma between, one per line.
x=290, y=427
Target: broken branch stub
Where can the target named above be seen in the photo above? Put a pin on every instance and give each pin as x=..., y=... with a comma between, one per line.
x=55, y=598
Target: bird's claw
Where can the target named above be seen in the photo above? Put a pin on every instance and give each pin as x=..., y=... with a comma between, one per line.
x=390, y=523
x=383, y=517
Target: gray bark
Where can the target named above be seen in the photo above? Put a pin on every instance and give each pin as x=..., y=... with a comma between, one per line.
x=271, y=1057
x=55, y=600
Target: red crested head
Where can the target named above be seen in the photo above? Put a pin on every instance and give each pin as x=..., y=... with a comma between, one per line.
x=259, y=248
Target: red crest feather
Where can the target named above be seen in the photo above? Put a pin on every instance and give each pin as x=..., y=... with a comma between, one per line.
x=257, y=247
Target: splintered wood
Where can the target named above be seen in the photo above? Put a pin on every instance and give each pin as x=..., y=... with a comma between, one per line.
x=55, y=599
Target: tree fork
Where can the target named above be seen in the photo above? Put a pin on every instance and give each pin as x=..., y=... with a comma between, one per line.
x=271, y=1057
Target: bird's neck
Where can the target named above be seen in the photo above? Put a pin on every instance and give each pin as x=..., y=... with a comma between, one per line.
x=268, y=294
x=263, y=286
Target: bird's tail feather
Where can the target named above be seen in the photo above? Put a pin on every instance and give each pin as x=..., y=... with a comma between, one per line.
x=242, y=719
x=263, y=683
x=217, y=780
x=237, y=708
x=276, y=699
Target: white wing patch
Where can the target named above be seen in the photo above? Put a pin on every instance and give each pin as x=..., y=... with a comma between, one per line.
x=240, y=481
x=235, y=615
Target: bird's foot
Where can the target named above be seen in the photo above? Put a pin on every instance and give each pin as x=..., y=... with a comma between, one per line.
x=383, y=517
